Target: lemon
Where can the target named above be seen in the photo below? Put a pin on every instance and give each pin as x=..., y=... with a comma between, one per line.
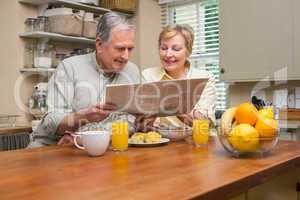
x=244, y=138
x=267, y=112
x=266, y=127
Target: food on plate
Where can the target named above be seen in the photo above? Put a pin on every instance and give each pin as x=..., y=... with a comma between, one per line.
x=152, y=137
x=146, y=138
x=138, y=137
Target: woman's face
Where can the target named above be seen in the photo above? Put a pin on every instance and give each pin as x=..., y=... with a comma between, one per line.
x=173, y=53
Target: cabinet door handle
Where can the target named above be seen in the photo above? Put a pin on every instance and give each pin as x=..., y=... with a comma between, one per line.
x=222, y=70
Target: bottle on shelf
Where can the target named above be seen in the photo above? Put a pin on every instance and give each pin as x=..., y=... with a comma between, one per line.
x=78, y=51
x=43, y=55
x=42, y=24
x=88, y=50
x=30, y=24
x=29, y=55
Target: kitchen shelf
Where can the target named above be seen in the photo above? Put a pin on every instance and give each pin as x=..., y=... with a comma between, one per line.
x=67, y=3
x=37, y=70
x=56, y=37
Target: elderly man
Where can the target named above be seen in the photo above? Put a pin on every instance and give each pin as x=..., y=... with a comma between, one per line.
x=76, y=91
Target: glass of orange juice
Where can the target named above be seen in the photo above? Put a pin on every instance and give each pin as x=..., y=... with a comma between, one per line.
x=119, y=136
x=200, y=132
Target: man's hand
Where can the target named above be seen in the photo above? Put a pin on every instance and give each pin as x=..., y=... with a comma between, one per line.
x=66, y=140
x=98, y=112
x=94, y=113
x=143, y=123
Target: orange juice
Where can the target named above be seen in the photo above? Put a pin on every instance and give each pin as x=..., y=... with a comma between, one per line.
x=200, y=132
x=119, y=137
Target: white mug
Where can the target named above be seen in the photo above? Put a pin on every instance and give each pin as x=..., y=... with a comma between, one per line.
x=94, y=142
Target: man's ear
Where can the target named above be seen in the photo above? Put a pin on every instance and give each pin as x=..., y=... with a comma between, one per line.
x=99, y=45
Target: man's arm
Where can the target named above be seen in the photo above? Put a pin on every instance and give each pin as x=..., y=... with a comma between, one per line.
x=61, y=116
x=94, y=113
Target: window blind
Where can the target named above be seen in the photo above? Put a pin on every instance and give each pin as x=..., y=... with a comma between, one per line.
x=203, y=17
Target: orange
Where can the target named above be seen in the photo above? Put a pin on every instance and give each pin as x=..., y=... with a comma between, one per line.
x=266, y=127
x=244, y=138
x=246, y=113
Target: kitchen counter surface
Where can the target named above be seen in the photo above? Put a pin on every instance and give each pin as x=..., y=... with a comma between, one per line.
x=173, y=171
x=15, y=129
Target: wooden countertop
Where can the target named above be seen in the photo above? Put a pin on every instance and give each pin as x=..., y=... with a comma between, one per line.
x=15, y=129
x=174, y=171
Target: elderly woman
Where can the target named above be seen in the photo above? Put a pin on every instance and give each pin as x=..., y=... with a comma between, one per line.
x=175, y=47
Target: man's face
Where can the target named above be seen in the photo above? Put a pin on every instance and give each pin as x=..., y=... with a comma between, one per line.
x=114, y=54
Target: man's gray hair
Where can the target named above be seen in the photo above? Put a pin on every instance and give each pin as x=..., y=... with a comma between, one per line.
x=108, y=22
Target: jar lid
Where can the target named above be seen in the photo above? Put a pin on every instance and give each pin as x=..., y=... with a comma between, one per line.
x=78, y=51
x=88, y=50
x=30, y=19
x=60, y=55
x=42, y=18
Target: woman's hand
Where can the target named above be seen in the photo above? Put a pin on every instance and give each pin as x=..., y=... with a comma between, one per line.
x=144, y=123
x=188, y=118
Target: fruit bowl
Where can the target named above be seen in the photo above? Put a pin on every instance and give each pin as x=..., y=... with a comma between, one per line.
x=245, y=131
x=247, y=146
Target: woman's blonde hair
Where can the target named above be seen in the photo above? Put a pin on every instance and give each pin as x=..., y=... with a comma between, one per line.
x=185, y=30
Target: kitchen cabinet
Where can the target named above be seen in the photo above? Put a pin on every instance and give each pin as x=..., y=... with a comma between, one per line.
x=280, y=187
x=296, y=36
x=256, y=40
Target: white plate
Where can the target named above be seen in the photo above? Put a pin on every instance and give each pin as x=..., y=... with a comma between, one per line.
x=161, y=142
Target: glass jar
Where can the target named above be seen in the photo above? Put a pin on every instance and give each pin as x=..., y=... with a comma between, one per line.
x=43, y=56
x=29, y=55
x=72, y=54
x=30, y=24
x=58, y=58
x=78, y=51
x=88, y=50
x=42, y=24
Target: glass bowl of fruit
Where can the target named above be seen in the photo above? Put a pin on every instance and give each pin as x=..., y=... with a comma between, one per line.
x=247, y=131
